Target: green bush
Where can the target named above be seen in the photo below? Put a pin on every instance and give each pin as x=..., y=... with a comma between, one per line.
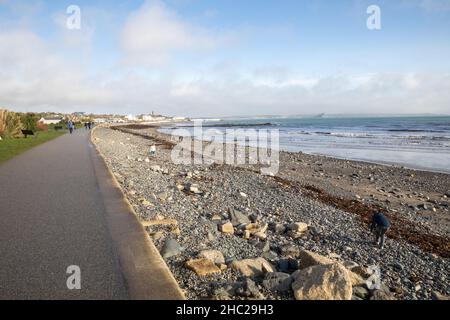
x=29, y=121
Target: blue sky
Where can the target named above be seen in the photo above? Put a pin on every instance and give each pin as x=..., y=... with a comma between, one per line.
x=213, y=58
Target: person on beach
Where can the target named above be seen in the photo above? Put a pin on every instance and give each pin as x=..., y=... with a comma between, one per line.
x=380, y=225
x=153, y=150
x=70, y=126
x=85, y=125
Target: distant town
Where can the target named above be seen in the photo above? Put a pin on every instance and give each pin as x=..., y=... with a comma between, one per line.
x=54, y=118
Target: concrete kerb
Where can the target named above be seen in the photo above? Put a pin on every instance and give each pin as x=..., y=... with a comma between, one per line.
x=145, y=272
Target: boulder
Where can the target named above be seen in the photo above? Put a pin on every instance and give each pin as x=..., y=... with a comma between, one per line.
x=323, y=282
x=214, y=255
x=202, y=267
x=238, y=218
x=309, y=259
x=252, y=267
x=277, y=281
x=170, y=249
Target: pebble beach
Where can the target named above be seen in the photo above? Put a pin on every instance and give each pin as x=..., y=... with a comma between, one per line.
x=229, y=232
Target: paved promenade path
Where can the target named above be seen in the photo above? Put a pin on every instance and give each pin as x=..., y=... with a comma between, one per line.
x=53, y=215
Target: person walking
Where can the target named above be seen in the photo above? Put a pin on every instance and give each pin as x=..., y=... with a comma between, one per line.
x=70, y=126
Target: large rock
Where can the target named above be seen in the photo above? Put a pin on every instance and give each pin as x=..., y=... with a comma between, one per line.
x=309, y=259
x=238, y=218
x=214, y=255
x=252, y=267
x=278, y=281
x=170, y=249
x=323, y=282
x=202, y=267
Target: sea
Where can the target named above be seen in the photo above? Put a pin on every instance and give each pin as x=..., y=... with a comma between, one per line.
x=416, y=142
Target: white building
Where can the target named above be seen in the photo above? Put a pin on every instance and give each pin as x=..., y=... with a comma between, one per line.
x=50, y=120
x=147, y=117
x=130, y=117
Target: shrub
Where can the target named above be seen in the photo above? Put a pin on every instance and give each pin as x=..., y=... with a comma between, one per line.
x=29, y=121
x=10, y=124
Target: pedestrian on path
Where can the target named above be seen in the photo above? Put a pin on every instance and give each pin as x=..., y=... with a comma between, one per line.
x=70, y=126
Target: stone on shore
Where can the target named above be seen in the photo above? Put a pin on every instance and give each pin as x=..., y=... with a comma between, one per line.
x=323, y=282
x=309, y=259
x=227, y=228
x=214, y=255
x=170, y=249
x=238, y=218
x=252, y=267
x=202, y=267
x=278, y=281
x=298, y=229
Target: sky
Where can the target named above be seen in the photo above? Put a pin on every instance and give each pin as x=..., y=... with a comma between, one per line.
x=225, y=58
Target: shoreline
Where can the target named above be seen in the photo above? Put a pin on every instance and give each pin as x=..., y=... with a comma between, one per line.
x=317, y=190
x=285, y=149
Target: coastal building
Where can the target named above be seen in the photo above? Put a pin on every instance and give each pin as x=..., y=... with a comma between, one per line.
x=131, y=117
x=50, y=120
x=147, y=117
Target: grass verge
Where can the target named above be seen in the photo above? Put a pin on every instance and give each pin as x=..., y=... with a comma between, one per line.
x=10, y=148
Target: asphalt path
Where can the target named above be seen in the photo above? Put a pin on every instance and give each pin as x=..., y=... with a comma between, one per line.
x=52, y=217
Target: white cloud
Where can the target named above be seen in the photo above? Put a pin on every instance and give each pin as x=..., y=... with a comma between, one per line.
x=153, y=34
